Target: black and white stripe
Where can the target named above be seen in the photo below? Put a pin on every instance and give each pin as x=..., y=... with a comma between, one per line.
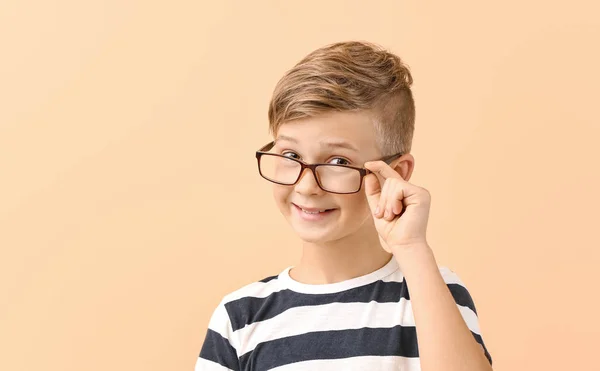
x=269, y=326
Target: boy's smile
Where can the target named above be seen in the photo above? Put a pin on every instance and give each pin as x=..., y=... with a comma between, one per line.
x=313, y=214
x=343, y=138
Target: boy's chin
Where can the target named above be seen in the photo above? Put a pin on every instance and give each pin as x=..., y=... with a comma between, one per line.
x=316, y=236
x=314, y=239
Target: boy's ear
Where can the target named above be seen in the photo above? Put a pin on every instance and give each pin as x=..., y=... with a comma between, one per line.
x=404, y=166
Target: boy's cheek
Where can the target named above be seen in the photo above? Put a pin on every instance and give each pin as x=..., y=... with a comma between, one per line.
x=356, y=203
x=281, y=195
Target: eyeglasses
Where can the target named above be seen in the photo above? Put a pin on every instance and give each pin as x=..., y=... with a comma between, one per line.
x=333, y=178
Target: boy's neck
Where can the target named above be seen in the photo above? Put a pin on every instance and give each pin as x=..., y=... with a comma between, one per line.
x=341, y=260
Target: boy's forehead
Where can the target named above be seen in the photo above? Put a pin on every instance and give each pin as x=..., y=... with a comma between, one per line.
x=344, y=129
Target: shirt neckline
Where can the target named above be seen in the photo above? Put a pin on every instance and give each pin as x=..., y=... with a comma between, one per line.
x=390, y=267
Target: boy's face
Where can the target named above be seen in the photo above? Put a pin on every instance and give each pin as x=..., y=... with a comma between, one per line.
x=317, y=140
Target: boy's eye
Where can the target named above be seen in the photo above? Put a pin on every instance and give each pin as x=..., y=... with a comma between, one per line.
x=340, y=161
x=290, y=154
x=336, y=160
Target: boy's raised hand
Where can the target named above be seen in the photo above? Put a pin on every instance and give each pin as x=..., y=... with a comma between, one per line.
x=400, y=209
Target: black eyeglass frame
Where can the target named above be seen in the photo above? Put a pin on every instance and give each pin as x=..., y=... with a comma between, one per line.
x=313, y=167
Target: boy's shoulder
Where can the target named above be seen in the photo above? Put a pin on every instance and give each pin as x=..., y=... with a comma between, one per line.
x=450, y=276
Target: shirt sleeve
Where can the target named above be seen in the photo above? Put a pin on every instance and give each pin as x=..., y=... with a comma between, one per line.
x=218, y=352
x=466, y=306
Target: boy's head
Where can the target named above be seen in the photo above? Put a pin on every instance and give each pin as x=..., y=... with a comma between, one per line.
x=343, y=104
x=350, y=76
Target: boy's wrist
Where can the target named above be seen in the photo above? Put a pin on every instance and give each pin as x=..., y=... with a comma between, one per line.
x=414, y=256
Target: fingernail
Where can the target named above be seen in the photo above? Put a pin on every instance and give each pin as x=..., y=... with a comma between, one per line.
x=377, y=210
x=387, y=214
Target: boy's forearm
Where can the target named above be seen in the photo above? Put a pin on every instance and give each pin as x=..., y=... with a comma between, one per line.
x=445, y=342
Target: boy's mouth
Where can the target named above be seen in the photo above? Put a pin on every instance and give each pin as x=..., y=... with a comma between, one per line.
x=312, y=211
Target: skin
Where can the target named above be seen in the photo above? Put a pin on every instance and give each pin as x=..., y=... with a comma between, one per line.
x=365, y=231
x=348, y=245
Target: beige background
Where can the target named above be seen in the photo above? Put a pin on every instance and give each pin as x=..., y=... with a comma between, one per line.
x=130, y=201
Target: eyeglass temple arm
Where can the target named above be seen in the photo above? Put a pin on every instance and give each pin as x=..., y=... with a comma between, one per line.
x=387, y=160
x=391, y=158
x=267, y=147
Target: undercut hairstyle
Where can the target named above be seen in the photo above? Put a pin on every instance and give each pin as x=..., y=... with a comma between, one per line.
x=350, y=76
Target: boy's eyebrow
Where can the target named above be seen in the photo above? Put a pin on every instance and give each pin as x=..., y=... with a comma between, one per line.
x=335, y=143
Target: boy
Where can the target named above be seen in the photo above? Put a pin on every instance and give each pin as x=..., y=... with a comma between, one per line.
x=346, y=305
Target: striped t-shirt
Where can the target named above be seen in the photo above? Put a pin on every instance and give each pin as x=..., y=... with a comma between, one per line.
x=364, y=323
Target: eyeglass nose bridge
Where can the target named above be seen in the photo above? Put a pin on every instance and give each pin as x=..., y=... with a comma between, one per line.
x=313, y=170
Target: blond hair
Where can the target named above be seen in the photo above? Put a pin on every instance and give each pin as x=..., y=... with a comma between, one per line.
x=349, y=76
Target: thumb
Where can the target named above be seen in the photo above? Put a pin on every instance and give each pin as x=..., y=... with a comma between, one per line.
x=372, y=190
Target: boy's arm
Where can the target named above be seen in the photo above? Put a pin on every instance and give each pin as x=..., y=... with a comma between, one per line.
x=401, y=214
x=444, y=339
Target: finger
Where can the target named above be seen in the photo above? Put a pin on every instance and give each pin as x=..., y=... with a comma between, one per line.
x=397, y=207
x=392, y=199
x=382, y=206
x=397, y=199
x=397, y=204
x=382, y=169
x=372, y=191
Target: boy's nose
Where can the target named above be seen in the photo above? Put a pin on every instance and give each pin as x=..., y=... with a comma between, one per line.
x=307, y=184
